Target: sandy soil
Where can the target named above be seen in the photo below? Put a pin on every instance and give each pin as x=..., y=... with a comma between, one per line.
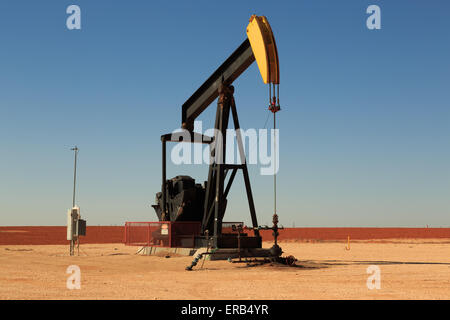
x=410, y=269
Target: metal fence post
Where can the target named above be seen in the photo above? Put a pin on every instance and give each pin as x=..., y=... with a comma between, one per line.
x=125, y=240
x=170, y=234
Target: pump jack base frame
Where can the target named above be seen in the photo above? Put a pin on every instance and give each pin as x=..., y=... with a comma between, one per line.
x=227, y=254
x=229, y=241
x=217, y=254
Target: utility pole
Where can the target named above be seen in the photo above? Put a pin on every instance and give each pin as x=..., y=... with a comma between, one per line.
x=74, y=175
x=73, y=212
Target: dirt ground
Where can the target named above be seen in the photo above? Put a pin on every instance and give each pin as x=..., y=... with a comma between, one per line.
x=409, y=269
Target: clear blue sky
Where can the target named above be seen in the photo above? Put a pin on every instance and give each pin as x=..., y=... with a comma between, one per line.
x=364, y=126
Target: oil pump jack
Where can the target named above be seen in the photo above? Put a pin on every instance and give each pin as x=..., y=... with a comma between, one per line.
x=181, y=199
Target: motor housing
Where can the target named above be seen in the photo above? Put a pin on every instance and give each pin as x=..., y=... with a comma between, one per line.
x=184, y=200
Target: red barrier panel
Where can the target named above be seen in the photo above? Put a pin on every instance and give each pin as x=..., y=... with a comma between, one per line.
x=57, y=235
x=161, y=234
x=231, y=227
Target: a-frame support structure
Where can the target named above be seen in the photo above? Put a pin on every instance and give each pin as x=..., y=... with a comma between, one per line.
x=216, y=191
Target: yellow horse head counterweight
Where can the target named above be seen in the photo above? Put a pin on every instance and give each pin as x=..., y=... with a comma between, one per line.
x=264, y=49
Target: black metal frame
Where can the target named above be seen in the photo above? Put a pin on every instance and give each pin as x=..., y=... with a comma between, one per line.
x=229, y=71
x=194, y=138
x=218, y=85
x=216, y=194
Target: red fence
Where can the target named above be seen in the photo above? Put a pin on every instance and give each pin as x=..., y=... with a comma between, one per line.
x=161, y=234
x=231, y=227
x=56, y=235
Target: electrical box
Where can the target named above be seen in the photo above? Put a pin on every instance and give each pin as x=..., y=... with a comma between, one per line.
x=69, y=225
x=73, y=215
x=81, y=227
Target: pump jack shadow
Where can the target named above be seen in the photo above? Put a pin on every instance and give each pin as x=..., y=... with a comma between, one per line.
x=320, y=264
